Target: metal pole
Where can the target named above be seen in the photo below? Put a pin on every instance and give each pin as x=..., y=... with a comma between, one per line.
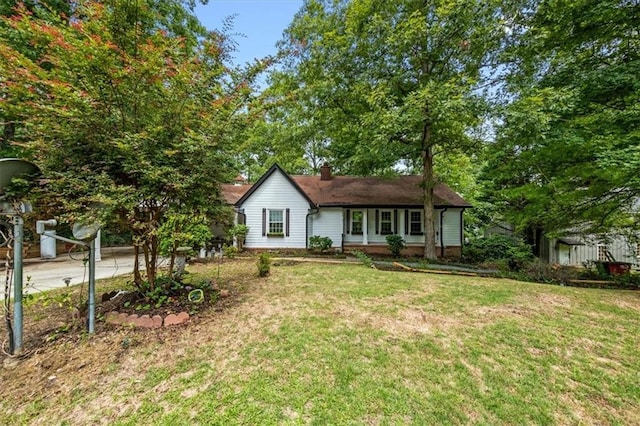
x=92, y=286
x=17, y=284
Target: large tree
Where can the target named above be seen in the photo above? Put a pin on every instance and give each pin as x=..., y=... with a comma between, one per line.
x=393, y=82
x=134, y=119
x=567, y=154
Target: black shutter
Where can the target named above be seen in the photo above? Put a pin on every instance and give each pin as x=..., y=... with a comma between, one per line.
x=395, y=221
x=377, y=221
x=264, y=222
x=406, y=222
x=348, y=221
x=286, y=232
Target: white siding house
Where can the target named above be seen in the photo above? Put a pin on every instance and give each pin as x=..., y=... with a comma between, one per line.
x=576, y=251
x=283, y=212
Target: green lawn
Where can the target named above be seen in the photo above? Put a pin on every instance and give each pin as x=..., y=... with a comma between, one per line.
x=344, y=344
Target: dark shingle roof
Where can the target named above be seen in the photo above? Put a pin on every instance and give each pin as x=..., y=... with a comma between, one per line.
x=400, y=191
x=232, y=193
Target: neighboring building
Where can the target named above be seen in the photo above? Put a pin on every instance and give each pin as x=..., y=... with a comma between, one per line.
x=284, y=211
x=574, y=249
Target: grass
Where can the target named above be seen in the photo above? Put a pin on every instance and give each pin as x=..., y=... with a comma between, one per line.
x=345, y=344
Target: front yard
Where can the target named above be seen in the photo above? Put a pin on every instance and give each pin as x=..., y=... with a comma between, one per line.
x=345, y=344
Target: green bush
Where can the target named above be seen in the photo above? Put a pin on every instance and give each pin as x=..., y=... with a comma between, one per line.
x=396, y=244
x=542, y=272
x=264, y=264
x=181, y=230
x=362, y=257
x=229, y=251
x=240, y=233
x=498, y=248
x=321, y=244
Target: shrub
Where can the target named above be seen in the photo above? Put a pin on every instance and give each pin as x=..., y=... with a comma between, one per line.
x=542, y=272
x=321, y=244
x=498, y=247
x=264, y=264
x=362, y=257
x=396, y=244
x=240, y=233
x=229, y=251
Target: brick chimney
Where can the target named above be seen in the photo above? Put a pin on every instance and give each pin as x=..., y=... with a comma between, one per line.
x=325, y=172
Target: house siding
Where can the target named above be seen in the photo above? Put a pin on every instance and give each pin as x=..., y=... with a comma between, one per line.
x=328, y=222
x=276, y=192
x=619, y=248
x=451, y=227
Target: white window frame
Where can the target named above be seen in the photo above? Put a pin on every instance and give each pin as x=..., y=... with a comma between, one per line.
x=411, y=222
x=353, y=230
x=390, y=221
x=270, y=222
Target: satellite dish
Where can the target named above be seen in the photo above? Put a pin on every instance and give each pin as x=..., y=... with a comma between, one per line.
x=85, y=232
x=11, y=168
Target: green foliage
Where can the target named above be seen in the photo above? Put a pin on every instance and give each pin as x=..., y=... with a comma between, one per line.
x=115, y=238
x=180, y=230
x=129, y=107
x=396, y=244
x=566, y=154
x=264, y=264
x=229, y=251
x=239, y=232
x=61, y=299
x=363, y=257
x=159, y=294
x=370, y=84
x=498, y=248
x=321, y=244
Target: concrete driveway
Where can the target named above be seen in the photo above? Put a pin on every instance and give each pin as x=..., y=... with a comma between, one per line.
x=42, y=275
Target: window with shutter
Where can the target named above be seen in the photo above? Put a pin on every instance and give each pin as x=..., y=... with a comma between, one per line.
x=356, y=222
x=386, y=222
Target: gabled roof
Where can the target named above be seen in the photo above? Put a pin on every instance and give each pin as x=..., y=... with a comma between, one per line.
x=264, y=177
x=352, y=191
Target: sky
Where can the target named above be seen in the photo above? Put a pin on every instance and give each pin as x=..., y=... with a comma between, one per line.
x=260, y=21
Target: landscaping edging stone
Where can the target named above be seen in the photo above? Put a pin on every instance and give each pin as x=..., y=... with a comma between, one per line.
x=145, y=321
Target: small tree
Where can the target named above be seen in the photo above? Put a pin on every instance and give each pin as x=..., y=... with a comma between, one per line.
x=182, y=230
x=264, y=264
x=119, y=111
x=239, y=232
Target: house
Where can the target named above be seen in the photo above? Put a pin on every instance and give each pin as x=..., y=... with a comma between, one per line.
x=575, y=249
x=283, y=211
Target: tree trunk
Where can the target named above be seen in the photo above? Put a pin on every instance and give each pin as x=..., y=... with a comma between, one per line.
x=428, y=184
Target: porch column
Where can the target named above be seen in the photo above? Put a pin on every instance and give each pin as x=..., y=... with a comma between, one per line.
x=365, y=227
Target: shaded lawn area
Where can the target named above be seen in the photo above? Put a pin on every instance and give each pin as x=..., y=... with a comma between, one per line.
x=344, y=344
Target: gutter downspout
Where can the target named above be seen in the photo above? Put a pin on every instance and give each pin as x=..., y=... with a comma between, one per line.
x=310, y=212
x=441, y=233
